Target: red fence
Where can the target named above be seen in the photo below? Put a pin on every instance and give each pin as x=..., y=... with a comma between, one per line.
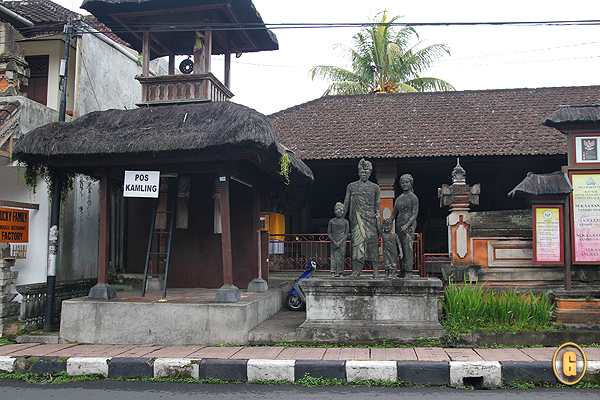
x=295, y=250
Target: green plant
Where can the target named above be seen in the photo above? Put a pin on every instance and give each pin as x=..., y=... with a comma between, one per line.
x=8, y=339
x=285, y=167
x=312, y=381
x=470, y=308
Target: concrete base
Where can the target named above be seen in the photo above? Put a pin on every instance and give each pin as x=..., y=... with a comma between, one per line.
x=365, y=310
x=102, y=291
x=228, y=294
x=258, y=285
x=155, y=284
x=166, y=323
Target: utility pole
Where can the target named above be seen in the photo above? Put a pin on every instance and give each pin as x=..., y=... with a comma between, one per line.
x=55, y=210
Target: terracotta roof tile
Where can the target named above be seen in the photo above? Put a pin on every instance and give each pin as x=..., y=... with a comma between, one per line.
x=404, y=125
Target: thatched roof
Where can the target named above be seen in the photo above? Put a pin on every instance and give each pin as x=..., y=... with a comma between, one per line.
x=172, y=24
x=209, y=130
x=543, y=184
x=574, y=114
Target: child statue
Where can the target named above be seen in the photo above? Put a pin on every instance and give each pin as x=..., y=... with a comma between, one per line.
x=337, y=231
x=392, y=249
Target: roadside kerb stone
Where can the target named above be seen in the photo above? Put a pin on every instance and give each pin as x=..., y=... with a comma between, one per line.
x=176, y=367
x=326, y=369
x=528, y=371
x=592, y=373
x=225, y=370
x=7, y=364
x=88, y=366
x=46, y=365
x=434, y=373
x=487, y=374
x=271, y=370
x=371, y=371
x=129, y=368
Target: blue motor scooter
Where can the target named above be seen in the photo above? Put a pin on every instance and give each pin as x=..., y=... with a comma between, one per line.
x=296, y=300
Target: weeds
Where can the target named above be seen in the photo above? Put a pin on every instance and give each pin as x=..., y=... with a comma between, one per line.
x=313, y=381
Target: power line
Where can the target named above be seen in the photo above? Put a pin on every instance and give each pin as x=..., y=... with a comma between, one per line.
x=184, y=27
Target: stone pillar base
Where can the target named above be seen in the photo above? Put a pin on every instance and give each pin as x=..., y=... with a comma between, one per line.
x=102, y=291
x=258, y=286
x=228, y=294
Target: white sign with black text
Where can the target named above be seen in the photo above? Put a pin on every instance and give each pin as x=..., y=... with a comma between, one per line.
x=141, y=184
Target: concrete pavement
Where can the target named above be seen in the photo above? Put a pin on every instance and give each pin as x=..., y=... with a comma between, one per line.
x=488, y=368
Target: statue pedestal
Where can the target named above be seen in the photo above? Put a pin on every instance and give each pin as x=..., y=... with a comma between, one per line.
x=365, y=310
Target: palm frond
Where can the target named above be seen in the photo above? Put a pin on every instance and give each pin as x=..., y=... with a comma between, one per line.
x=397, y=62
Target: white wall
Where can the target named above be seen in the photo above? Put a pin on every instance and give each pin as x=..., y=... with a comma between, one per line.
x=55, y=48
x=33, y=268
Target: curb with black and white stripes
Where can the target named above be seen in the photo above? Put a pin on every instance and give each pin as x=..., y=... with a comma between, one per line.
x=480, y=374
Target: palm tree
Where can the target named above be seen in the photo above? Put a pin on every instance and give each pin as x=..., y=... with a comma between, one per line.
x=384, y=61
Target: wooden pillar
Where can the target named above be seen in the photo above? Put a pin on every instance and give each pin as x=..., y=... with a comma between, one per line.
x=103, y=290
x=228, y=293
x=171, y=64
x=227, y=78
x=226, y=232
x=146, y=54
x=207, y=50
x=257, y=284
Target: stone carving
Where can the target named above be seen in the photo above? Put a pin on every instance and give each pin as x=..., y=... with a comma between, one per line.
x=392, y=249
x=406, y=209
x=362, y=205
x=337, y=231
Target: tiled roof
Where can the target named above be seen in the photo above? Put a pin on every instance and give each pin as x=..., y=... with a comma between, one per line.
x=40, y=11
x=105, y=30
x=49, y=18
x=405, y=125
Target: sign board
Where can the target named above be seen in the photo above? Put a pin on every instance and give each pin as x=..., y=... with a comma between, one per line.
x=14, y=225
x=141, y=184
x=586, y=217
x=548, y=235
x=586, y=149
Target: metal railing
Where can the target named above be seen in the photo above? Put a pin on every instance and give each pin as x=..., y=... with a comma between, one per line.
x=291, y=252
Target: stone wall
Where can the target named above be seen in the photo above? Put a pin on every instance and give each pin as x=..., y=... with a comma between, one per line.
x=9, y=309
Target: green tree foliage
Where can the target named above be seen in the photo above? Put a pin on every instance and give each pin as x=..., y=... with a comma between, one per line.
x=398, y=65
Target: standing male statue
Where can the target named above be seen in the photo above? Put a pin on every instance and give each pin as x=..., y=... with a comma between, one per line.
x=362, y=205
x=406, y=209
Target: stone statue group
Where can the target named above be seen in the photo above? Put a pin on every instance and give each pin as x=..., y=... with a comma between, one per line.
x=363, y=208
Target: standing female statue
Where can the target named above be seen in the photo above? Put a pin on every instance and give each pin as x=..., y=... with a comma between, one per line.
x=406, y=209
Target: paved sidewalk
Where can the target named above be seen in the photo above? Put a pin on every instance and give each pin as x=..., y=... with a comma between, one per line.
x=287, y=353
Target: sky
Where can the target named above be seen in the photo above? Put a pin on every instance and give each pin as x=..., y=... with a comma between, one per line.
x=482, y=57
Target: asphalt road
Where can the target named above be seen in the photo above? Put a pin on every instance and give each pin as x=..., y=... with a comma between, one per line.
x=102, y=390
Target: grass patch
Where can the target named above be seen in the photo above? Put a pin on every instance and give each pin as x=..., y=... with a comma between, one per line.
x=57, y=378
x=312, y=381
x=470, y=308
